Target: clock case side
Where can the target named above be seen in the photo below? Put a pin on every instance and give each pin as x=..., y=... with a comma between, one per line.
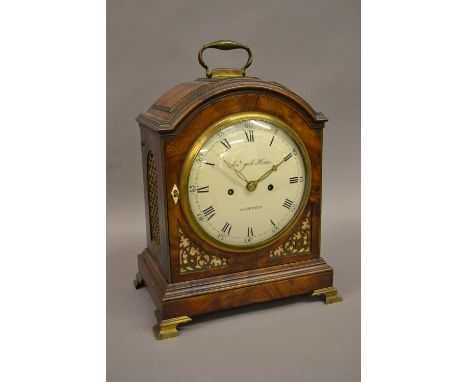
x=164, y=121
x=155, y=200
x=157, y=246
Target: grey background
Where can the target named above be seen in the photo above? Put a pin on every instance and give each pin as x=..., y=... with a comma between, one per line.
x=312, y=47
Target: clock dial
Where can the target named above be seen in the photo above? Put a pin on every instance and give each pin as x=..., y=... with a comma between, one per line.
x=247, y=182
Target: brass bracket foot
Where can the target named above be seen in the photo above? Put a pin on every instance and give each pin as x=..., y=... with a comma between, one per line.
x=168, y=328
x=138, y=282
x=330, y=294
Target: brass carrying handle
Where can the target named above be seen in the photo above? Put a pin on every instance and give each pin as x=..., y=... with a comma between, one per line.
x=224, y=45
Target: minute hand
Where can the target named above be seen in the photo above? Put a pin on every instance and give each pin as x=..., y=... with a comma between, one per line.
x=273, y=168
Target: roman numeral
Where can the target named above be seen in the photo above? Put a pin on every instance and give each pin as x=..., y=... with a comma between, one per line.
x=294, y=179
x=287, y=203
x=287, y=157
x=203, y=189
x=250, y=135
x=272, y=140
x=208, y=163
x=226, y=144
x=209, y=212
x=249, y=231
x=227, y=228
x=274, y=228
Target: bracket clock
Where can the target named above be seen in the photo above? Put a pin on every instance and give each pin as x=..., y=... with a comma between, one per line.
x=232, y=169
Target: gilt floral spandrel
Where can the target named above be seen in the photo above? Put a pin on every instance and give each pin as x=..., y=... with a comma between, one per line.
x=193, y=258
x=298, y=243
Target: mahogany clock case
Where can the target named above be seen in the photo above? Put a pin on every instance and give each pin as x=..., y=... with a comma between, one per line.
x=185, y=285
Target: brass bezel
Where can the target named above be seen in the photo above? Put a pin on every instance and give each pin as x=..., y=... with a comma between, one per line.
x=193, y=152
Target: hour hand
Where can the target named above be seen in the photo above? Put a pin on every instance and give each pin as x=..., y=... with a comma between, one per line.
x=237, y=172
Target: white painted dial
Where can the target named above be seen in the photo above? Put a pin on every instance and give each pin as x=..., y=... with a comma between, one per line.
x=246, y=183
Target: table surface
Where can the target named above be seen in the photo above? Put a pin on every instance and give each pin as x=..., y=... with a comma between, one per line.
x=295, y=339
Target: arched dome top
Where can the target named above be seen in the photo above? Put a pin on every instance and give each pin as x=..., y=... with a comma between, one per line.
x=165, y=114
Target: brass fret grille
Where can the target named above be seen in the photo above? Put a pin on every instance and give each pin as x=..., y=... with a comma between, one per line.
x=152, y=178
